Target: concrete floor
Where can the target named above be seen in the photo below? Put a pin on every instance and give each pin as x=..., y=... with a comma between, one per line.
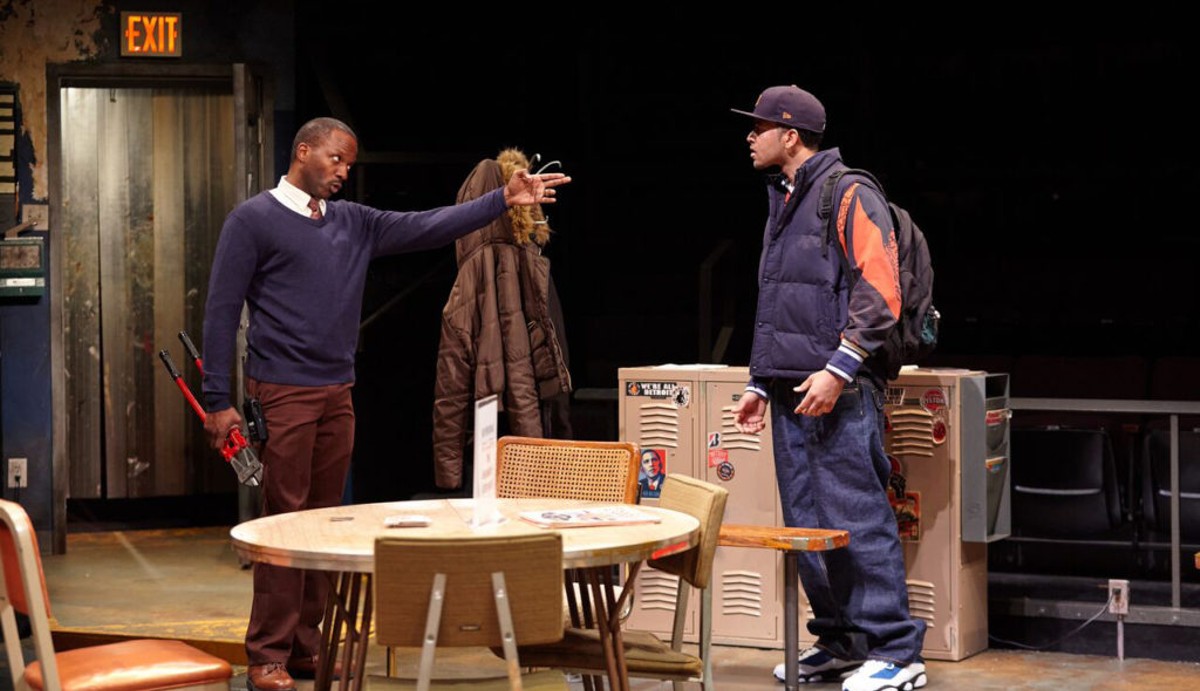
x=188, y=584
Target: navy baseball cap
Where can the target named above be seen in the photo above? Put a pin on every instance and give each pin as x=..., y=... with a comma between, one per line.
x=789, y=106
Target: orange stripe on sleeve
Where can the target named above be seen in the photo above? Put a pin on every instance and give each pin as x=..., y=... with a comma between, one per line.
x=879, y=262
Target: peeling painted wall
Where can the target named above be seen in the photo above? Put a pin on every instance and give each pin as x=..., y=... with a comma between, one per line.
x=34, y=33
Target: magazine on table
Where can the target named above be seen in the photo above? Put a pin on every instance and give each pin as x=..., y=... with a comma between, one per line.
x=617, y=514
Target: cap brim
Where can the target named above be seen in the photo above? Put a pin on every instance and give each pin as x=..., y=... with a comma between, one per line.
x=742, y=112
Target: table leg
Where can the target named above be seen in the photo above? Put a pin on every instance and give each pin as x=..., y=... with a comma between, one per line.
x=363, y=637
x=330, y=630
x=580, y=608
x=615, y=606
x=350, y=603
x=602, y=628
x=349, y=594
x=791, y=620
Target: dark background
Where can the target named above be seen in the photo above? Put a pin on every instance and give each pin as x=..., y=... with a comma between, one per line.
x=1049, y=159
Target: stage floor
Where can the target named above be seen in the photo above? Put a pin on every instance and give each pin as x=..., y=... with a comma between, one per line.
x=189, y=584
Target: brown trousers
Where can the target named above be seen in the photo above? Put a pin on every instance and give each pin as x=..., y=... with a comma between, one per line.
x=310, y=436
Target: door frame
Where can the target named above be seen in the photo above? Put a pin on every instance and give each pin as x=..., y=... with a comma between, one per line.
x=235, y=76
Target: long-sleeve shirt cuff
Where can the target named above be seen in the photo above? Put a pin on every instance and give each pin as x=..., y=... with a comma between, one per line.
x=758, y=388
x=846, y=361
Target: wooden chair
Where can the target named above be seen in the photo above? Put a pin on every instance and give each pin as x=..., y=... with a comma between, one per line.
x=645, y=654
x=498, y=592
x=135, y=665
x=567, y=469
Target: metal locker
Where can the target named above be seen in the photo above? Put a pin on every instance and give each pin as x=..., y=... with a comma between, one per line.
x=946, y=431
x=656, y=411
x=684, y=413
x=747, y=599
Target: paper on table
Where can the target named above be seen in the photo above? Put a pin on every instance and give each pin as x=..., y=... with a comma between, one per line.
x=595, y=516
x=407, y=520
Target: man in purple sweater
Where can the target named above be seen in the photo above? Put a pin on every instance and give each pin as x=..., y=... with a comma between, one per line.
x=299, y=261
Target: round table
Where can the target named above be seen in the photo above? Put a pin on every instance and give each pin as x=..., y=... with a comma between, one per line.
x=340, y=540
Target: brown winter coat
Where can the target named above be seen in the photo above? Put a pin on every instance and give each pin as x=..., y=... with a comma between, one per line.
x=497, y=334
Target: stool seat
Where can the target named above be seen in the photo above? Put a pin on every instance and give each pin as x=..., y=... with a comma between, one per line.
x=784, y=539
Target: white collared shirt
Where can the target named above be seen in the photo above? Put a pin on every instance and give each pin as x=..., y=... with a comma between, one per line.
x=295, y=198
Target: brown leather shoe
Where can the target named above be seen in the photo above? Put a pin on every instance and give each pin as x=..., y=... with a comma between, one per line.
x=272, y=676
x=306, y=667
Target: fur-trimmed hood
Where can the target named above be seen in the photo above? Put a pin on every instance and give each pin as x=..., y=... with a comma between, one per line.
x=521, y=225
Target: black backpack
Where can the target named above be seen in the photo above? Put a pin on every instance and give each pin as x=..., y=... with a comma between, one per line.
x=916, y=331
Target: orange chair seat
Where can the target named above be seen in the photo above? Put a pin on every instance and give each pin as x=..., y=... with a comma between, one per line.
x=134, y=666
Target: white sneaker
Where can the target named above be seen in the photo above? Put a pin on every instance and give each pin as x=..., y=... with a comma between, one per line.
x=878, y=675
x=818, y=665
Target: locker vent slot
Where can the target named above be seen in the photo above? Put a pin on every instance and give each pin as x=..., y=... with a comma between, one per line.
x=657, y=590
x=742, y=593
x=659, y=425
x=922, y=600
x=731, y=438
x=911, y=432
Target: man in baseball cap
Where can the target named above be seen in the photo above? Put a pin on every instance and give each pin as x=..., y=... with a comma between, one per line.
x=789, y=106
x=826, y=422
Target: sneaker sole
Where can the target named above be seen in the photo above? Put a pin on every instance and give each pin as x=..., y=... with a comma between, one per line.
x=823, y=676
x=918, y=682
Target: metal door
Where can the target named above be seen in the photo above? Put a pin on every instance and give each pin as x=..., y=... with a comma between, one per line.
x=148, y=170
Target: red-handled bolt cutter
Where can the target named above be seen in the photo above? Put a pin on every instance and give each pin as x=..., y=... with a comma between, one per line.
x=236, y=451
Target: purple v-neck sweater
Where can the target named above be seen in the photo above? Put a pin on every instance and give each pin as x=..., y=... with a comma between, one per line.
x=303, y=281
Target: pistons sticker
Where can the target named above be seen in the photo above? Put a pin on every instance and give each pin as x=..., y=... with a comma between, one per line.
x=934, y=400
x=725, y=471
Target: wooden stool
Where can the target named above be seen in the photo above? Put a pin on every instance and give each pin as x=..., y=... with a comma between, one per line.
x=790, y=541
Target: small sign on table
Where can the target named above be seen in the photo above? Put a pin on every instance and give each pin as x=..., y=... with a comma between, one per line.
x=486, y=512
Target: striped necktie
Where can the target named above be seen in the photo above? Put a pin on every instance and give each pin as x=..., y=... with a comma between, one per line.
x=316, y=208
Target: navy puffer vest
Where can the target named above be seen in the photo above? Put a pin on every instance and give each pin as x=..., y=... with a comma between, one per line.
x=802, y=298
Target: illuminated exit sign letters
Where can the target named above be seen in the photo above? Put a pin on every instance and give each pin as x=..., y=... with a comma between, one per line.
x=152, y=34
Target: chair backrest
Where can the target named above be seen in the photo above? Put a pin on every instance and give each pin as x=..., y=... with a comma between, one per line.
x=23, y=589
x=706, y=502
x=1064, y=483
x=567, y=469
x=1156, y=455
x=405, y=573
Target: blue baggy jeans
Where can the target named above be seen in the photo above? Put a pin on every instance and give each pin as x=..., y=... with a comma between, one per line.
x=832, y=473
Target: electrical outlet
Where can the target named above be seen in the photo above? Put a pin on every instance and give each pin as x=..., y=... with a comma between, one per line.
x=1118, y=593
x=18, y=472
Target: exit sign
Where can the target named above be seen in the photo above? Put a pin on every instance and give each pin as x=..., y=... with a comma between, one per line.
x=152, y=34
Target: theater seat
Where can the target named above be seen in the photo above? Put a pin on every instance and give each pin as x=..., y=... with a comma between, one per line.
x=1064, y=484
x=1156, y=487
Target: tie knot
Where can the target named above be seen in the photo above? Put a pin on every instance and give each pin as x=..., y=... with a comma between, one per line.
x=315, y=206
